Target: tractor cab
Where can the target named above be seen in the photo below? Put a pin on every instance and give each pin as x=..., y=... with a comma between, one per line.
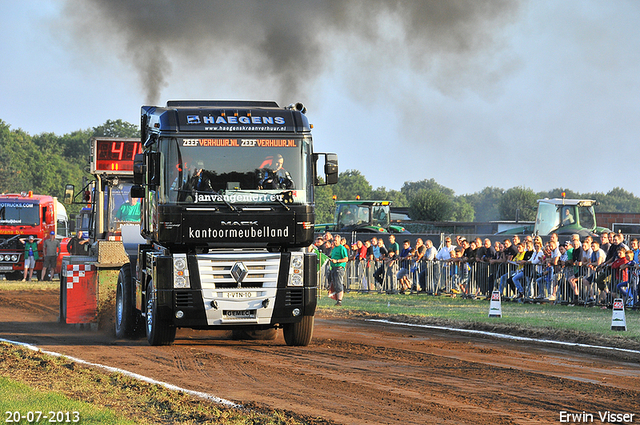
x=566, y=216
x=367, y=216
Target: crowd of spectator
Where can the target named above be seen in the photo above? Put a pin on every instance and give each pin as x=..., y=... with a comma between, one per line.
x=591, y=270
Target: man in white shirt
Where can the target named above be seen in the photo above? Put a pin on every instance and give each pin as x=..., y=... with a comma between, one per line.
x=426, y=272
x=443, y=256
x=444, y=253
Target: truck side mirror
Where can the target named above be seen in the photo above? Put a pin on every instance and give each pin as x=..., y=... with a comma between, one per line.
x=138, y=169
x=153, y=165
x=137, y=191
x=148, y=162
x=330, y=168
x=68, y=194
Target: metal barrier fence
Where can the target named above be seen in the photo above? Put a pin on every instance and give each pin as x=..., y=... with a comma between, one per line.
x=478, y=280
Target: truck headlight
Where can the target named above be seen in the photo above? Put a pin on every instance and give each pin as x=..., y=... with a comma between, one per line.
x=180, y=271
x=297, y=261
x=296, y=280
x=296, y=269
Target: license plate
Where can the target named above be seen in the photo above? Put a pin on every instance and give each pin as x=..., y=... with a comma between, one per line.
x=6, y=268
x=239, y=314
x=239, y=294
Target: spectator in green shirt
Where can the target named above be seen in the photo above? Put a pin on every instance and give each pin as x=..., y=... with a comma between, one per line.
x=30, y=255
x=339, y=257
x=393, y=245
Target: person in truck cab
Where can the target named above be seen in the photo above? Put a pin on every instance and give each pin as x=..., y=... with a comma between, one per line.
x=129, y=211
x=567, y=217
x=276, y=177
x=78, y=245
x=200, y=180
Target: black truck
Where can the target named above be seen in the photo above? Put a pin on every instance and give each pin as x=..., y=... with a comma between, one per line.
x=227, y=210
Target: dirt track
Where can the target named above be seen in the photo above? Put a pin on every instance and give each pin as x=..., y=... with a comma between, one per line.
x=356, y=371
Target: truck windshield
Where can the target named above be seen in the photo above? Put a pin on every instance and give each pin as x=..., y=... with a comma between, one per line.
x=19, y=214
x=236, y=170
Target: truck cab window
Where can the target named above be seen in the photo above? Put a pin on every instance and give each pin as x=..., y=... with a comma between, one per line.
x=238, y=170
x=18, y=213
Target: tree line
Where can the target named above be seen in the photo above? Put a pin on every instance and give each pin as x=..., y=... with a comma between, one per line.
x=428, y=200
x=45, y=163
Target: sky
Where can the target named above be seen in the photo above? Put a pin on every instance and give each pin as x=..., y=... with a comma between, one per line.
x=536, y=94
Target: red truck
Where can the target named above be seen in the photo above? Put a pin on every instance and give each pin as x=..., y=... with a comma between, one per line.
x=24, y=214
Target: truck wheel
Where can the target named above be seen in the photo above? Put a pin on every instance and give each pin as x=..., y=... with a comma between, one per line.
x=298, y=334
x=159, y=331
x=127, y=318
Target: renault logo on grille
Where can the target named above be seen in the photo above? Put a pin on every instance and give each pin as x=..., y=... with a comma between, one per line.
x=239, y=272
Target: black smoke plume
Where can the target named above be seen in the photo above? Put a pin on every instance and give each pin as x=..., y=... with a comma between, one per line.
x=290, y=44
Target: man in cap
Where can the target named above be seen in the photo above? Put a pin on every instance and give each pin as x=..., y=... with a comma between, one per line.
x=51, y=247
x=30, y=255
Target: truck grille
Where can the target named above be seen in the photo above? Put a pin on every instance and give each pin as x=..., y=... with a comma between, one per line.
x=184, y=300
x=238, y=270
x=294, y=297
x=10, y=243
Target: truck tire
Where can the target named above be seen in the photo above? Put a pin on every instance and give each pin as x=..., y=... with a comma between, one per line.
x=127, y=318
x=159, y=331
x=300, y=333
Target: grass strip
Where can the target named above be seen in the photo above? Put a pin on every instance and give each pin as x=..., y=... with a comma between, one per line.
x=61, y=383
x=23, y=404
x=588, y=325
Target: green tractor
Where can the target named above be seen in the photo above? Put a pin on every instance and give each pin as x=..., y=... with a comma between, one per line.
x=362, y=216
x=562, y=216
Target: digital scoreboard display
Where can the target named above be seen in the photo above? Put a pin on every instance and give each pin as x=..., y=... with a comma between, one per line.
x=114, y=156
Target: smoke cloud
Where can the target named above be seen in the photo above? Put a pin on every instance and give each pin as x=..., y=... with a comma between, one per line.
x=290, y=44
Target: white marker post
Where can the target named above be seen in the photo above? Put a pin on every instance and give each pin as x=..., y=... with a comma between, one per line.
x=618, y=321
x=495, y=308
